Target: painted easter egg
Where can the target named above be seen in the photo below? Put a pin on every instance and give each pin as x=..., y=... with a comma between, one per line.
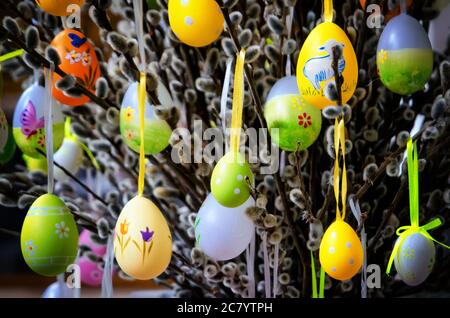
x=157, y=131
x=404, y=55
x=91, y=273
x=152, y=4
x=28, y=122
x=314, y=67
x=341, y=252
x=223, y=233
x=142, y=243
x=35, y=164
x=60, y=8
x=96, y=248
x=4, y=131
x=49, y=238
x=7, y=144
x=70, y=156
x=415, y=259
x=228, y=180
x=78, y=58
x=196, y=22
x=290, y=118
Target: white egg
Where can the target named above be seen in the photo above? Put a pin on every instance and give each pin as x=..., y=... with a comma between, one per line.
x=223, y=233
x=415, y=259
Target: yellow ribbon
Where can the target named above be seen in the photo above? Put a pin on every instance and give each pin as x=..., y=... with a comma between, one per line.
x=142, y=95
x=72, y=137
x=413, y=181
x=238, y=102
x=328, y=10
x=339, y=142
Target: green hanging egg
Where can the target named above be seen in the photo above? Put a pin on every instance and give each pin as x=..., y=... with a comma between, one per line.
x=157, y=131
x=290, y=118
x=228, y=181
x=49, y=238
x=7, y=144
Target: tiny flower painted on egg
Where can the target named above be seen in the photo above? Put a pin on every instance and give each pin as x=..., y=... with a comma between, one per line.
x=129, y=134
x=147, y=235
x=73, y=57
x=41, y=141
x=62, y=230
x=124, y=227
x=304, y=120
x=30, y=248
x=408, y=253
x=86, y=59
x=382, y=55
x=129, y=114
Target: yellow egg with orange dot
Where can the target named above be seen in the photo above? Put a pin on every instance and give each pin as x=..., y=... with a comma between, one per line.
x=196, y=22
x=341, y=252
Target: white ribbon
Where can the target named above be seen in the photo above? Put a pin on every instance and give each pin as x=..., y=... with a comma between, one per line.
x=250, y=255
x=107, y=286
x=138, y=21
x=266, y=265
x=224, y=97
x=289, y=20
x=418, y=123
x=356, y=210
x=48, y=124
x=275, y=269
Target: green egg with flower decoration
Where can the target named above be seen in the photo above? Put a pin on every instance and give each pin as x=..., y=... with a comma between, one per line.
x=292, y=121
x=49, y=237
x=7, y=144
x=229, y=180
x=157, y=131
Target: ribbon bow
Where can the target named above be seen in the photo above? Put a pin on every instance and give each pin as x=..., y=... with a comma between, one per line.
x=404, y=231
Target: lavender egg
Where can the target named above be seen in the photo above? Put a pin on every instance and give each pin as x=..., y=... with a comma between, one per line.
x=415, y=259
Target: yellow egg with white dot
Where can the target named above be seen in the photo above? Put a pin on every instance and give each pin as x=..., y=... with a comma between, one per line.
x=196, y=22
x=341, y=252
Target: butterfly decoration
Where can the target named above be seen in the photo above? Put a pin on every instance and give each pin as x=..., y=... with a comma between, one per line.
x=30, y=124
x=76, y=40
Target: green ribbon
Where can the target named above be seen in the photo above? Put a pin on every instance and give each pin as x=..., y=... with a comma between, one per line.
x=316, y=294
x=404, y=231
x=11, y=55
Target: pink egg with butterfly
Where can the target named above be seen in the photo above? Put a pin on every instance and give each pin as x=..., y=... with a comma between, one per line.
x=29, y=124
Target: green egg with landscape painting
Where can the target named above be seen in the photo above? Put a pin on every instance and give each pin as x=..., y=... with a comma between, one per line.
x=404, y=55
x=157, y=131
x=49, y=237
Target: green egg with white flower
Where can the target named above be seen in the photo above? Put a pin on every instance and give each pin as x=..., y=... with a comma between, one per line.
x=228, y=181
x=49, y=237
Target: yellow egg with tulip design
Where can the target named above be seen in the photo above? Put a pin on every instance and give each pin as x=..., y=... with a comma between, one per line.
x=142, y=240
